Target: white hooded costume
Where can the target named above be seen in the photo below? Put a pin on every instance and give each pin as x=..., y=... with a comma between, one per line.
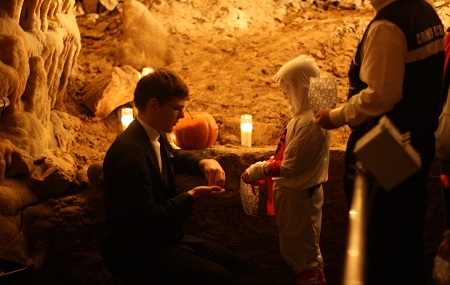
x=305, y=159
x=304, y=165
x=298, y=194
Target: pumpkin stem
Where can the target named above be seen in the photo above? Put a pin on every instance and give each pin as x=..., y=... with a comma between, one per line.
x=188, y=112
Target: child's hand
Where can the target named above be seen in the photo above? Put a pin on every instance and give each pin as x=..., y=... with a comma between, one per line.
x=255, y=172
x=245, y=177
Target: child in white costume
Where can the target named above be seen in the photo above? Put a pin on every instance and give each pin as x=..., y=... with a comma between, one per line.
x=299, y=168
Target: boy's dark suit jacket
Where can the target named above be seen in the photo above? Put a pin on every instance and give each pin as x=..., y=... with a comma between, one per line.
x=143, y=208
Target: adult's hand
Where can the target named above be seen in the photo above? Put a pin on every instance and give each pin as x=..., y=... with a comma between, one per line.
x=205, y=191
x=322, y=119
x=213, y=172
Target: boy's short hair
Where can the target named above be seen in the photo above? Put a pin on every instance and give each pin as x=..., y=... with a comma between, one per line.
x=162, y=84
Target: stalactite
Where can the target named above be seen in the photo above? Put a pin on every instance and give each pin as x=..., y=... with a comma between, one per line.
x=44, y=39
x=13, y=8
x=44, y=15
x=30, y=17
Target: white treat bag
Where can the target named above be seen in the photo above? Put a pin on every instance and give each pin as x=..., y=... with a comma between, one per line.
x=322, y=93
x=249, y=198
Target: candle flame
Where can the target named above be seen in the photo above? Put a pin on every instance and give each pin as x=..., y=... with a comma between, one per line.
x=146, y=70
x=126, y=117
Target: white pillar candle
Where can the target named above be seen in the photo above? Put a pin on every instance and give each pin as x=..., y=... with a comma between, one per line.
x=126, y=117
x=146, y=70
x=246, y=130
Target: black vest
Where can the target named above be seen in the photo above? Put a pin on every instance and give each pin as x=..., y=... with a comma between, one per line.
x=419, y=110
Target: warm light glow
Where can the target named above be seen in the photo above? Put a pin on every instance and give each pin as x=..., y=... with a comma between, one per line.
x=126, y=117
x=146, y=70
x=246, y=130
x=353, y=253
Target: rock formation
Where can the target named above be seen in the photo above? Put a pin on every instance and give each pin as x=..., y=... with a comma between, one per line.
x=39, y=43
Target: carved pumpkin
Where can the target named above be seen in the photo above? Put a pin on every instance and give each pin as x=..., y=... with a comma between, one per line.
x=197, y=132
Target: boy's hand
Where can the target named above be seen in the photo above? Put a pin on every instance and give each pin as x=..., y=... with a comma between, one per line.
x=205, y=191
x=213, y=172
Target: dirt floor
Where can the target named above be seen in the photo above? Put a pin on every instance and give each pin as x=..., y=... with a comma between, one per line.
x=228, y=63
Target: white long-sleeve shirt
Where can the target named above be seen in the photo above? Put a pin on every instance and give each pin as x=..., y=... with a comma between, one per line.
x=384, y=54
x=443, y=132
x=153, y=136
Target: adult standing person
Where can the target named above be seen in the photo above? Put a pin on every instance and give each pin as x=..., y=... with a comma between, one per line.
x=144, y=212
x=397, y=71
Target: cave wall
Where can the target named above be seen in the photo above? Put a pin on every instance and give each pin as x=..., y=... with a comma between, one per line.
x=40, y=41
x=39, y=44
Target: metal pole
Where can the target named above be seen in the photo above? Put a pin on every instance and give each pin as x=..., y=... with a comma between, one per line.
x=355, y=259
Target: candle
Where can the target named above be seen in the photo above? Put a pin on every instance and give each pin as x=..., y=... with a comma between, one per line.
x=246, y=130
x=146, y=70
x=126, y=117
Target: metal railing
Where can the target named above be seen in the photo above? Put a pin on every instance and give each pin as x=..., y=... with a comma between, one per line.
x=355, y=259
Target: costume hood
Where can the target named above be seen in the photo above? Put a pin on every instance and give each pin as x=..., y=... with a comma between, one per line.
x=293, y=78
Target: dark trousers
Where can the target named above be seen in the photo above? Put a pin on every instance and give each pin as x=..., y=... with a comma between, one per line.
x=395, y=223
x=194, y=261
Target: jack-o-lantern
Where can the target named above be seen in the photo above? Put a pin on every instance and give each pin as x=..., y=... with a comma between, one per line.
x=197, y=132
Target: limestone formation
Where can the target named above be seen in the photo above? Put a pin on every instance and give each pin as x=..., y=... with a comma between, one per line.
x=110, y=90
x=39, y=43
